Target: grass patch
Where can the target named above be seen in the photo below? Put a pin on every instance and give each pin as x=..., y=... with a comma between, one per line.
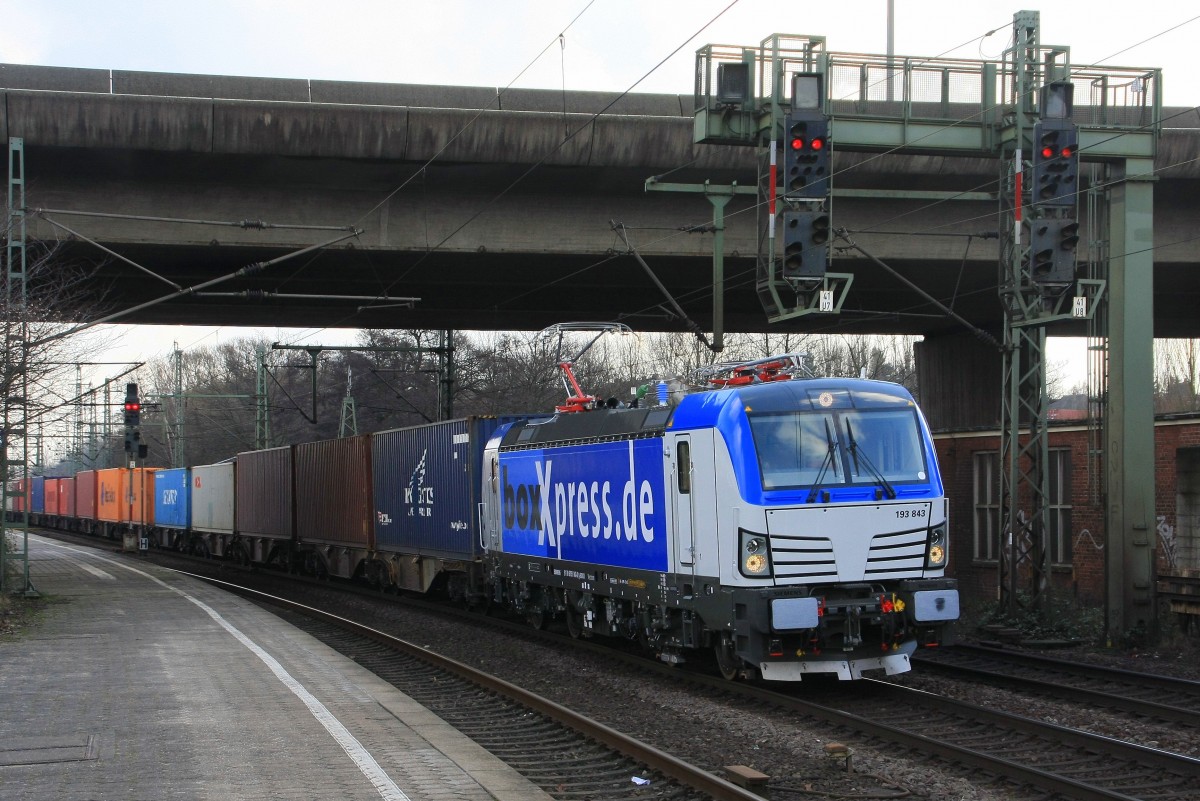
x=18, y=614
x=1061, y=618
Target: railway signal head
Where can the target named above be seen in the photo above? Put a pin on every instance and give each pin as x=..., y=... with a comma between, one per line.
x=805, y=244
x=1055, y=165
x=133, y=406
x=1052, y=244
x=806, y=157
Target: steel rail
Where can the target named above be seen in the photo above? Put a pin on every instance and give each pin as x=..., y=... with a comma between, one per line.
x=1085, y=695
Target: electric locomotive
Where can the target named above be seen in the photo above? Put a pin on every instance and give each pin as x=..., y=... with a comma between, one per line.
x=791, y=526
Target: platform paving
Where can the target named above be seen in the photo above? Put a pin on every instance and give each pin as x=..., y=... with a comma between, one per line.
x=137, y=683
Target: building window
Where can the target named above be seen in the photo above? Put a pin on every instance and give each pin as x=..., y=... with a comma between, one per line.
x=987, y=505
x=988, y=513
x=1058, y=506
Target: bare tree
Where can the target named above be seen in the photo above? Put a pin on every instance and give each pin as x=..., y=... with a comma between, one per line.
x=1175, y=375
x=37, y=369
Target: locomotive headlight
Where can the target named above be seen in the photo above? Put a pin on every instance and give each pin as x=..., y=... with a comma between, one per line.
x=936, y=555
x=754, y=558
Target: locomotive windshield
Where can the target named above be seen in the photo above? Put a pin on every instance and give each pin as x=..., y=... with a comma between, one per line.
x=846, y=446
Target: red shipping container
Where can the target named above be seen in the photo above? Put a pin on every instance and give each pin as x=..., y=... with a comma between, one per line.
x=21, y=501
x=51, y=503
x=334, y=506
x=85, y=495
x=66, y=497
x=25, y=501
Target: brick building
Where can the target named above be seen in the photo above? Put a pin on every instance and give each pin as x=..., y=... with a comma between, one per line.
x=970, y=463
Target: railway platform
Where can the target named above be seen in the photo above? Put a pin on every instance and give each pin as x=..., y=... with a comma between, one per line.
x=137, y=683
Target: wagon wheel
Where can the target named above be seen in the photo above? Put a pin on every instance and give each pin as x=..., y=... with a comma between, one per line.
x=536, y=616
x=478, y=606
x=728, y=661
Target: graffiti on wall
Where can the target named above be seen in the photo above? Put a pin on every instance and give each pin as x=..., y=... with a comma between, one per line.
x=1170, y=545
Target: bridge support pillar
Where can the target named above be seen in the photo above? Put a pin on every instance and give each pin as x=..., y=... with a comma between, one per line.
x=958, y=377
x=1129, y=423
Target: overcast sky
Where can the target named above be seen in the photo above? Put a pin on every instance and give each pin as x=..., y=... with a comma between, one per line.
x=606, y=44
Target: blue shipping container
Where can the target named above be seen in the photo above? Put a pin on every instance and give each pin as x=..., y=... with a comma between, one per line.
x=426, y=482
x=173, y=498
x=37, y=496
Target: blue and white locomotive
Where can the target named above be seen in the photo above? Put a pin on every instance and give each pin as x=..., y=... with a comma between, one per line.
x=792, y=526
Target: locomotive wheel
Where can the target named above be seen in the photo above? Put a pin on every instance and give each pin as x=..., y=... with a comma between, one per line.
x=573, y=615
x=574, y=624
x=727, y=659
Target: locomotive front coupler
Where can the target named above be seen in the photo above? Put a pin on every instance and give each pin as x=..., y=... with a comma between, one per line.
x=852, y=629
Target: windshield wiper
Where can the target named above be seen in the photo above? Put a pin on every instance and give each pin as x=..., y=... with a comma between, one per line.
x=830, y=455
x=888, y=489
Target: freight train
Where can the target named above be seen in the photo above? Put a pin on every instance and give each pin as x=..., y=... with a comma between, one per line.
x=788, y=525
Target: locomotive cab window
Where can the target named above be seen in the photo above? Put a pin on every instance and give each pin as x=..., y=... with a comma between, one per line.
x=794, y=448
x=846, y=446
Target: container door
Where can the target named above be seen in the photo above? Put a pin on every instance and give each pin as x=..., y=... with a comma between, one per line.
x=681, y=492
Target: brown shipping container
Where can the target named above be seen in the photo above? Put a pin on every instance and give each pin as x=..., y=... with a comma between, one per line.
x=125, y=495
x=264, y=493
x=333, y=496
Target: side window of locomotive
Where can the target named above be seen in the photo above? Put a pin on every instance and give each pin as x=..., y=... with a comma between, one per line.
x=683, y=466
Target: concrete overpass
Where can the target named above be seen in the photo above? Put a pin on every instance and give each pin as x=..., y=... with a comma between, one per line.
x=495, y=210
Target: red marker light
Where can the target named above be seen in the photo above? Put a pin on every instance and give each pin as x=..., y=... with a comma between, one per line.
x=1068, y=151
x=818, y=143
x=797, y=143
x=1047, y=152
x=133, y=407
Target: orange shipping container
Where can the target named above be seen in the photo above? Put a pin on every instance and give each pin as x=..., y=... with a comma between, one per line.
x=125, y=495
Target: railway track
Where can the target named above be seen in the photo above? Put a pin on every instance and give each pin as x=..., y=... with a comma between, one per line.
x=1036, y=758
x=1029, y=758
x=1027, y=752
x=1143, y=695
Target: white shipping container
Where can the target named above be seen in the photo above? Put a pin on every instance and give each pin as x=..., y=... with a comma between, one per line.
x=212, y=498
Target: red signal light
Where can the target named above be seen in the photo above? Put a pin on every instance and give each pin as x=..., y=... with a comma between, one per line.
x=1047, y=152
x=797, y=143
x=817, y=143
x=1068, y=151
